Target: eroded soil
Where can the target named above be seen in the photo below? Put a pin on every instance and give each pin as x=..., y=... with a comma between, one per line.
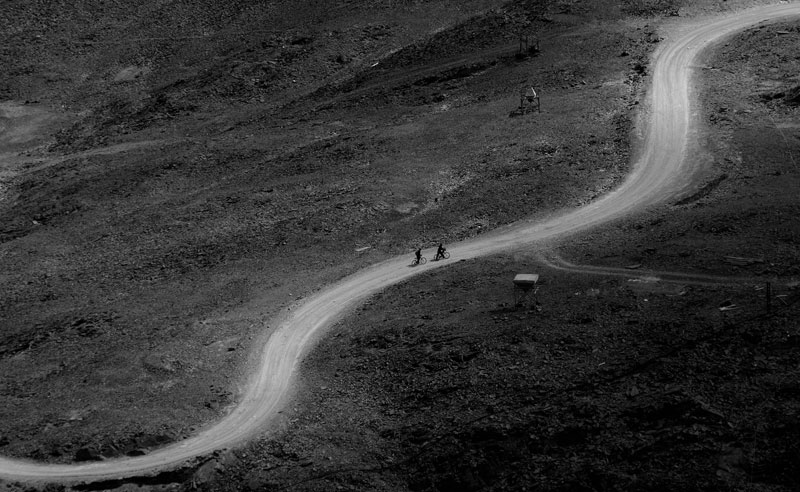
x=605, y=382
x=140, y=277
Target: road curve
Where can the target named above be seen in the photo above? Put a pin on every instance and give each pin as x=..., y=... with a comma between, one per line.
x=659, y=173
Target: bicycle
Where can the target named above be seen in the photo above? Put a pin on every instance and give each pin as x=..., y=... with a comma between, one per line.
x=443, y=256
x=422, y=260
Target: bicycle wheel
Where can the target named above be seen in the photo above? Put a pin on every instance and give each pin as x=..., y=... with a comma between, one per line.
x=422, y=260
x=446, y=255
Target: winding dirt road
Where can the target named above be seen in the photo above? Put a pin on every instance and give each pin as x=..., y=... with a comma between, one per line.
x=659, y=173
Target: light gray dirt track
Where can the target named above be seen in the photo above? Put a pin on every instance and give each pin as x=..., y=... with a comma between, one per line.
x=552, y=260
x=660, y=172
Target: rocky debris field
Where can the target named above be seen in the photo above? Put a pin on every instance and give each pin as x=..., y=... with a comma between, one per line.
x=178, y=202
x=604, y=382
x=143, y=262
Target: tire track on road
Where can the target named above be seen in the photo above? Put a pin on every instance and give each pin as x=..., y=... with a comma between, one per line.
x=556, y=262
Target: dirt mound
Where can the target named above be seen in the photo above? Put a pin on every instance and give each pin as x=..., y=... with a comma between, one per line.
x=793, y=96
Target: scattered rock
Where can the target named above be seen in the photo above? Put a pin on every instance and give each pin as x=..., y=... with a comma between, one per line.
x=88, y=454
x=159, y=364
x=792, y=96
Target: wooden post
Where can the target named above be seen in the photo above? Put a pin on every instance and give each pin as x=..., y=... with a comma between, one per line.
x=768, y=293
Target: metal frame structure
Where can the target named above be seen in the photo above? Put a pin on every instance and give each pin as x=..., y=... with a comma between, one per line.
x=529, y=100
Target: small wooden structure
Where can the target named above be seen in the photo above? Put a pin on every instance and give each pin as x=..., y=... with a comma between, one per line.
x=528, y=44
x=525, y=287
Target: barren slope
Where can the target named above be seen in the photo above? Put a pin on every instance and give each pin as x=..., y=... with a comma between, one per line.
x=149, y=239
x=659, y=173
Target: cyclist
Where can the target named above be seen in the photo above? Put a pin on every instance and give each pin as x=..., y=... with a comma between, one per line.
x=440, y=252
x=419, y=255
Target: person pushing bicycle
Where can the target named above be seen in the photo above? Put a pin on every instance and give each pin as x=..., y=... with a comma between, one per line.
x=440, y=252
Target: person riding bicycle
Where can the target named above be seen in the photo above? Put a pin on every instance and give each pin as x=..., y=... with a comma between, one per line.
x=440, y=252
x=419, y=255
